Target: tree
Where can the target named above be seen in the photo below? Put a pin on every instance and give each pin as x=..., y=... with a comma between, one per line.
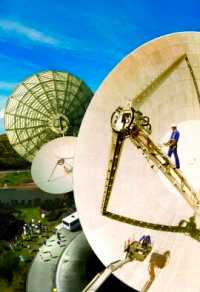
x=8, y=265
x=10, y=225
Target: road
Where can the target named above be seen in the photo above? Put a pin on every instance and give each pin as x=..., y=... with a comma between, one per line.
x=14, y=170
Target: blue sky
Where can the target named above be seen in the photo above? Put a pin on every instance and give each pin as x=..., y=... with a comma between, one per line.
x=86, y=38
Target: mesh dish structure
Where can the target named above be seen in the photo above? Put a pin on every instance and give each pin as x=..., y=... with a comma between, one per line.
x=43, y=107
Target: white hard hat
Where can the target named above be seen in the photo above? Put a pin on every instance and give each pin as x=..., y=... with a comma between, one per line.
x=173, y=125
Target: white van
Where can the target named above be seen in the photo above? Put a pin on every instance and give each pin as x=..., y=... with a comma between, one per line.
x=71, y=222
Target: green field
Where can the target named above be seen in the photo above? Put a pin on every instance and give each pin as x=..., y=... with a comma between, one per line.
x=15, y=178
x=9, y=158
x=28, y=213
x=27, y=247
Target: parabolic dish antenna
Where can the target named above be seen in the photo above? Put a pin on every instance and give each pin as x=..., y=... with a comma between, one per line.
x=43, y=107
x=118, y=192
x=52, y=166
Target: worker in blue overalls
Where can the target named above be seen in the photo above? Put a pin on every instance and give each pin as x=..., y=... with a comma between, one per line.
x=172, y=143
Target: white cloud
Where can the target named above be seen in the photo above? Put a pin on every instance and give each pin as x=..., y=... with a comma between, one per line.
x=26, y=31
x=2, y=97
x=78, y=46
x=31, y=34
x=2, y=110
x=7, y=85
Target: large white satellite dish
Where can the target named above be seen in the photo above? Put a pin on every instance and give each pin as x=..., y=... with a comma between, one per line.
x=161, y=79
x=53, y=165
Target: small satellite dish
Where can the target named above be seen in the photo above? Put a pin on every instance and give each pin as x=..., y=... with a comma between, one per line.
x=53, y=165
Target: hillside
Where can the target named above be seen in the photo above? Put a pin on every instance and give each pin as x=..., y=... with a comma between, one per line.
x=9, y=158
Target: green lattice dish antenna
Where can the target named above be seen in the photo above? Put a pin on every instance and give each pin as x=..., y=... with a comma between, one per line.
x=45, y=106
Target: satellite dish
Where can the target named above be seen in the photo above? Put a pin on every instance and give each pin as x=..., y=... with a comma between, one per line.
x=52, y=166
x=162, y=80
x=43, y=107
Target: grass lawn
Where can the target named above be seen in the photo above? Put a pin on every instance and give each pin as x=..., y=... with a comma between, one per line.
x=29, y=213
x=28, y=248
x=15, y=178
